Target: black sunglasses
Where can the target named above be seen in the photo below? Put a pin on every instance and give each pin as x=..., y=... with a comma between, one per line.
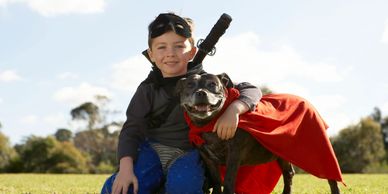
x=169, y=22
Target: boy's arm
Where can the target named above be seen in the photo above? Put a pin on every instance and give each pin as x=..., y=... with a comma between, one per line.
x=249, y=94
x=226, y=125
x=132, y=132
x=131, y=135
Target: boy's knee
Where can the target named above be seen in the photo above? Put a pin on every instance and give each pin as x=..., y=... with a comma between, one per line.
x=107, y=187
x=148, y=170
x=186, y=175
x=178, y=184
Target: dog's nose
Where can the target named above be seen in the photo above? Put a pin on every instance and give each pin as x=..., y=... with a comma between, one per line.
x=200, y=93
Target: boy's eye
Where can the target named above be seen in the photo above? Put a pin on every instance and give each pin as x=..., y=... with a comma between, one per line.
x=179, y=46
x=160, y=47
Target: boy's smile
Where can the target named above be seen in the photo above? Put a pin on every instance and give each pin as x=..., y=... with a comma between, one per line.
x=171, y=53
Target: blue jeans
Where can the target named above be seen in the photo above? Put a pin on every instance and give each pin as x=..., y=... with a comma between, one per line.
x=185, y=175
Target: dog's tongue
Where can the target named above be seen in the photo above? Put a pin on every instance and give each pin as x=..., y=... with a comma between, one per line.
x=202, y=108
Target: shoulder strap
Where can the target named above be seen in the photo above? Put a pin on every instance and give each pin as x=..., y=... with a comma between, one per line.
x=155, y=121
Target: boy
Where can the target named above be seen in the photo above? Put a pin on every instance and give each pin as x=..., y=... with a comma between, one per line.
x=154, y=151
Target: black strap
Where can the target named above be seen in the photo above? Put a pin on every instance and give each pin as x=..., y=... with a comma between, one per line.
x=155, y=121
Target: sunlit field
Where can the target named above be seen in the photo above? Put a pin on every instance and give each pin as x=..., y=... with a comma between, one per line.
x=69, y=184
x=50, y=183
x=355, y=184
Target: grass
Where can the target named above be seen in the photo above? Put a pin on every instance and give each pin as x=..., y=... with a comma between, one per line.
x=88, y=184
x=50, y=183
x=355, y=184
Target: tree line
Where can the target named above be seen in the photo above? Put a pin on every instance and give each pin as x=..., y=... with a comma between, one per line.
x=360, y=147
x=90, y=150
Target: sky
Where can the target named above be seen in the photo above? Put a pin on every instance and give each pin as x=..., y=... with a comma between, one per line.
x=58, y=54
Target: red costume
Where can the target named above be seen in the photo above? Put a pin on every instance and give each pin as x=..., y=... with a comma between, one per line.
x=288, y=126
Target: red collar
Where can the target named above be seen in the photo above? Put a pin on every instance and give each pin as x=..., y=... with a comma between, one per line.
x=195, y=131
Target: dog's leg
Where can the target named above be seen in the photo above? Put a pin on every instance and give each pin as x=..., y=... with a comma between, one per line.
x=232, y=165
x=334, y=187
x=288, y=173
x=215, y=177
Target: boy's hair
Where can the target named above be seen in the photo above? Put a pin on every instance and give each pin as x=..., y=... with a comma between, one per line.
x=166, y=22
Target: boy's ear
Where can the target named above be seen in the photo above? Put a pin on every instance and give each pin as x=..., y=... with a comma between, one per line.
x=224, y=78
x=179, y=86
x=193, y=51
x=149, y=54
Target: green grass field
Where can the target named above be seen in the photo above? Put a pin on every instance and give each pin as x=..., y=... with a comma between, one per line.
x=69, y=184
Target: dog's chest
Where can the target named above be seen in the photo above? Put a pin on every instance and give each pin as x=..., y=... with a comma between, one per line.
x=215, y=148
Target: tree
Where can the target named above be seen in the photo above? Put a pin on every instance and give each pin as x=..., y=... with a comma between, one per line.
x=63, y=135
x=43, y=155
x=376, y=115
x=384, y=131
x=95, y=114
x=358, y=147
x=87, y=111
x=7, y=153
x=96, y=139
x=100, y=144
x=66, y=158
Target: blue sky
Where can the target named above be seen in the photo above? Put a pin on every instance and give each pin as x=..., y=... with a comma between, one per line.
x=57, y=54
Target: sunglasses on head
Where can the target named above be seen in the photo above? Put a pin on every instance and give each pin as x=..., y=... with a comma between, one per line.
x=169, y=22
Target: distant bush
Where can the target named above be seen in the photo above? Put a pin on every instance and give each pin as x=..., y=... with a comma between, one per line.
x=48, y=155
x=359, y=148
x=7, y=153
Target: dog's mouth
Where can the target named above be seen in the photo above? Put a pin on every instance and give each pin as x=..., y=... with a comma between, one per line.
x=202, y=108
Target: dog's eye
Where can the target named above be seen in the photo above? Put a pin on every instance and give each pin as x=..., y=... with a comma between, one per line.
x=212, y=85
x=190, y=85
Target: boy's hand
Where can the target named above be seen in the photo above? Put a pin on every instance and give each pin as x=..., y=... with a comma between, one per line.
x=125, y=178
x=226, y=125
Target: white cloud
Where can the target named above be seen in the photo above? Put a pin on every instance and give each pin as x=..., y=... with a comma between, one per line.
x=243, y=58
x=1, y=100
x=57, y=119
x=128, y=74
x=59, y=7
x=329, y=107
x=3, y=3
x=385, y=33
x=85, y=92
x=29, y=119
x=337, y=122
x=290, y=88
x=51, y=120
x=384, y=108
x=9, y=76
x=67, y=76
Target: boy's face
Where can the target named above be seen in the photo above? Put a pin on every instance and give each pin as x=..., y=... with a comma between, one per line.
x=171, y=53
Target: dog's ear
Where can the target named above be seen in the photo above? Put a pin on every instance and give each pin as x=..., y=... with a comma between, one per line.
x=179, y=86
x=225, y=79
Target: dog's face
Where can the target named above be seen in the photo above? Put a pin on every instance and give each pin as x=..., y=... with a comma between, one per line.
x=202, y=96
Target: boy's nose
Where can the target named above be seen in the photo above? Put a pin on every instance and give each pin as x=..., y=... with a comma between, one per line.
x=171, y=52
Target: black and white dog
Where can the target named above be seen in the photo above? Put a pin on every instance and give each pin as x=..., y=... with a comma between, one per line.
x=202, y=97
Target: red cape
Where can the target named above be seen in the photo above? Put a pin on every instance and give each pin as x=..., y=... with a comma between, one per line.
x=291, y=128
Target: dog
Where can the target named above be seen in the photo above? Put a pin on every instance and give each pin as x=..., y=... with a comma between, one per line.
x=202, y=98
